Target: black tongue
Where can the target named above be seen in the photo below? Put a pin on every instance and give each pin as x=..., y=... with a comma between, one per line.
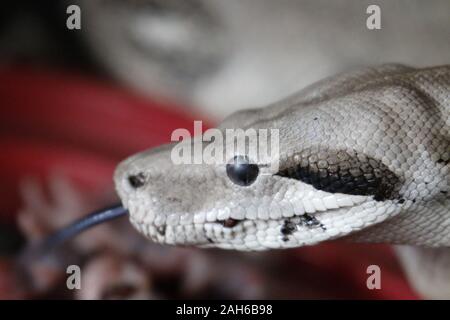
x=43, y=248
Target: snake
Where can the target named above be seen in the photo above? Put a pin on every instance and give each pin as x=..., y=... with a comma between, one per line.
x=363, y=156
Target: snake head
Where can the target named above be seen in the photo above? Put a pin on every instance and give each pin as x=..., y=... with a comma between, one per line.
x=362, y=155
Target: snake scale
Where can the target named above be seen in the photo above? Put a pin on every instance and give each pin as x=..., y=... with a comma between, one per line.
x=363, y=156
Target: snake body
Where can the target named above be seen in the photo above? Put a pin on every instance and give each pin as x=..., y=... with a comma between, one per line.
x=363, y=155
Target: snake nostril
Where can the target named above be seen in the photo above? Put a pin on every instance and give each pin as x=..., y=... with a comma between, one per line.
x=137, y=180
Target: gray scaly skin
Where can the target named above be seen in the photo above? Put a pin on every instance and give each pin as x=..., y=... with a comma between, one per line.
x=363, y=155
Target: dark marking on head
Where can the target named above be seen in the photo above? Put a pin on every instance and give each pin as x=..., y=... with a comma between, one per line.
x=310, y=221
x=290, y=225
x=401, y=201
x=287, y=229
x=209, y=240
x=137, y=180
x=342, y=172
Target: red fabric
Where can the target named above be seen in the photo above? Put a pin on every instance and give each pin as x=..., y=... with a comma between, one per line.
x=53, y=121
x=347, y=263
x=50, y=121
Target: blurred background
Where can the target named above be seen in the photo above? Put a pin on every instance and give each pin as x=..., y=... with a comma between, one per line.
x=73, y=103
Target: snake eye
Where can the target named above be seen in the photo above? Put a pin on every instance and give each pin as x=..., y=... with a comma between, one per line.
x=241, y=172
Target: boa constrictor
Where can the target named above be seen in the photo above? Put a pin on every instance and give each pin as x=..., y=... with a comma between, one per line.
x=362, y=155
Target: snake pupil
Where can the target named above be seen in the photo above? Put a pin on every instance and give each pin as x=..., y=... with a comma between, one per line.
x=241, y=172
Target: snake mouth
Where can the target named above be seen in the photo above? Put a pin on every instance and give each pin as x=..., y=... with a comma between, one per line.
x=287, y=225
x=255, y=232
x=283, y=228
x=306, y=219
x=309, y=219
x=229, y=223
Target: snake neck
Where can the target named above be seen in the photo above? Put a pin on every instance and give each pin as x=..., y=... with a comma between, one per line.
x=427, y=226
